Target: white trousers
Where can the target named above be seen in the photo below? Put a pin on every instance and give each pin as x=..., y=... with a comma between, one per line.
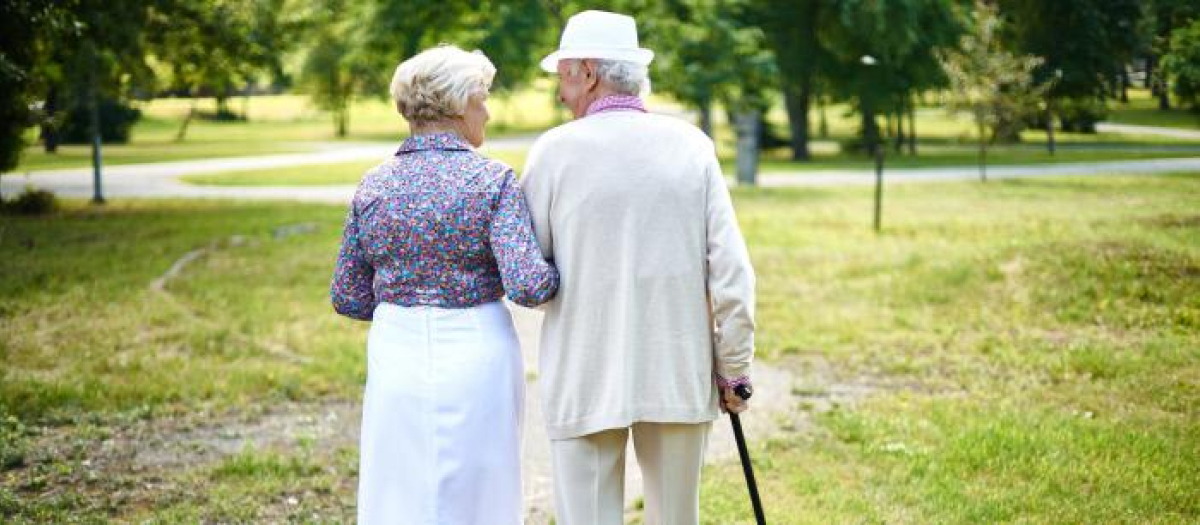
x=442, y=412
x=589, y=474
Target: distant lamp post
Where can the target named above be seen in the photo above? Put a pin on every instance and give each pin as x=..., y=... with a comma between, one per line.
x=876, y=148
x=1058, y=74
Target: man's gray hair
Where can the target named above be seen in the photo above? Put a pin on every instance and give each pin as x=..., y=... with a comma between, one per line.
x=626, y=78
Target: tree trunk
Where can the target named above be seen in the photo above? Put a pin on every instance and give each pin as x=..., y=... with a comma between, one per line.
x=341, y=120
x=1149, y=80
x=797, y=103
x=982, y=148
x=912, y=128
x=824, y=127
x=1164, y=97
x=186, y=121
x=1050, y=126
x=1124, y=84
x=49, y=131
x=706, y=124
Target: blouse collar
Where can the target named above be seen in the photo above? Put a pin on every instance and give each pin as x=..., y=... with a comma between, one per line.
x=434, y=141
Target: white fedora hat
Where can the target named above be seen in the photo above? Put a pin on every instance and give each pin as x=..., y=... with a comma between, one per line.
x=599, y=34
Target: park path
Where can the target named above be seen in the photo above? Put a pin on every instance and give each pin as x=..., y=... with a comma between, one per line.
x=1134, y=129
x=161, y=180
x=772, y=410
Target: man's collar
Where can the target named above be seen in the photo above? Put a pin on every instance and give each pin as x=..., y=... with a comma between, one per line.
x=615, y=103
x=434, y=141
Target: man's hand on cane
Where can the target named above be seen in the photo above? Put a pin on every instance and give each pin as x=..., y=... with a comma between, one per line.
x=733, y=403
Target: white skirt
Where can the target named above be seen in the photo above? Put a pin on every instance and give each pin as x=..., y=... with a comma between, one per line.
x=442, y=411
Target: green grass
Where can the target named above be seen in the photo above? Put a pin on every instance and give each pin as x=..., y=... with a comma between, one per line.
x=1030, y=351
x=1143, y=110
x=940, y=155
x=277, y=124
x=320, y=174
x=86, y=332
x=1034, y=345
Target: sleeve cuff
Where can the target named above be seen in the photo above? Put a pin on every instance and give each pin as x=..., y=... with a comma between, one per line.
x=733, y=383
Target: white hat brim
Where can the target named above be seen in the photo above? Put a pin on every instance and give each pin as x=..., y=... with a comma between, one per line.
x=638, y=56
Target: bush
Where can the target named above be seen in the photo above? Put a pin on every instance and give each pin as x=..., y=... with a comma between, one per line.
x=1081, y=114
x=115, y=121
x=1182, y=64
x=31, y=202
x=222, y=114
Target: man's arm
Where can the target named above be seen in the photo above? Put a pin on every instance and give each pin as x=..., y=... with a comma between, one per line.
x=535, y=184
x=730, y=284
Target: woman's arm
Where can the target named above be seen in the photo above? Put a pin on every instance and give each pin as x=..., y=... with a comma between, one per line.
x=351, y=290
x=528, y=279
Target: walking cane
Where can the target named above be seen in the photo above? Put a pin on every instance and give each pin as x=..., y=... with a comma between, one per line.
x=744, y=392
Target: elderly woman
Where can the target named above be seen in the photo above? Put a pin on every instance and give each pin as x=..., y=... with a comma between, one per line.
x=436, y=236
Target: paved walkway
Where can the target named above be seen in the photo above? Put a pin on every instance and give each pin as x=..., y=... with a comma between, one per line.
x=162, y=180
x=768, y=413
x=1132, y=129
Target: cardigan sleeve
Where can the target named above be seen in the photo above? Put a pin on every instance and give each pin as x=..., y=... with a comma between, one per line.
x=730, y=283
x=529, y=280
x=536, y=186
x=351, y=290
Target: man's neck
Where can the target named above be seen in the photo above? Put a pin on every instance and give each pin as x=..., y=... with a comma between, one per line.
x=599, y=93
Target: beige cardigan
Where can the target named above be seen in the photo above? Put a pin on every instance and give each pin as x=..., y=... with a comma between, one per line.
x=635, y=213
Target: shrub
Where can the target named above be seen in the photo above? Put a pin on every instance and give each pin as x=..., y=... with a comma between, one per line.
x=31, y=202
x=115, y=121
x=1081, y=114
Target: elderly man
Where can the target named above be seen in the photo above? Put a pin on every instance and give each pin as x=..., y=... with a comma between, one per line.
x=633, y=209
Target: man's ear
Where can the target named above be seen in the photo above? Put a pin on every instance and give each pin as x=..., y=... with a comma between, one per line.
x=590, y=78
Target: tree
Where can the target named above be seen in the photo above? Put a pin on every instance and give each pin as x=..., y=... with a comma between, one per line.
x=1164, y=18
x=792, y=29
x=21, y=25
x=354, y=46
x=1084, y=44
x=331, y=71
x=995, y=85
x=901, y=37
x=1182, y=64
x=224, y=44
x=703, y=51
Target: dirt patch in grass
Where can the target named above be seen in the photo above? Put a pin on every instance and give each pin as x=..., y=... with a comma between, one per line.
x=123, y=468
x=1171, y=220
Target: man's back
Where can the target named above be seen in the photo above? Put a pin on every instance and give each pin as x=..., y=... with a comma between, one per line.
x=623, y=202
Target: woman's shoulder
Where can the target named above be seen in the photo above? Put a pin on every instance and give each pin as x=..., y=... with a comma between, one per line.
x=487, y=173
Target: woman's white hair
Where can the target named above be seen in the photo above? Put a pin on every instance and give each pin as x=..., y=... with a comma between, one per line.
x=437, y=83
x=626, y=78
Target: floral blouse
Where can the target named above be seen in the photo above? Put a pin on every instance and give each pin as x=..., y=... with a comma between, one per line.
x=440, y=225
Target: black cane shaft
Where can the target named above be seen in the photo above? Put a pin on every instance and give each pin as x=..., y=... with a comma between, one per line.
x=747, y=468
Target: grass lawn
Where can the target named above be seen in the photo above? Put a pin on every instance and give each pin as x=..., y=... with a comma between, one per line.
x=319, y=174
x=287, y=123
x=1143, y=110
x=277, y=124
x=1025, y=350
